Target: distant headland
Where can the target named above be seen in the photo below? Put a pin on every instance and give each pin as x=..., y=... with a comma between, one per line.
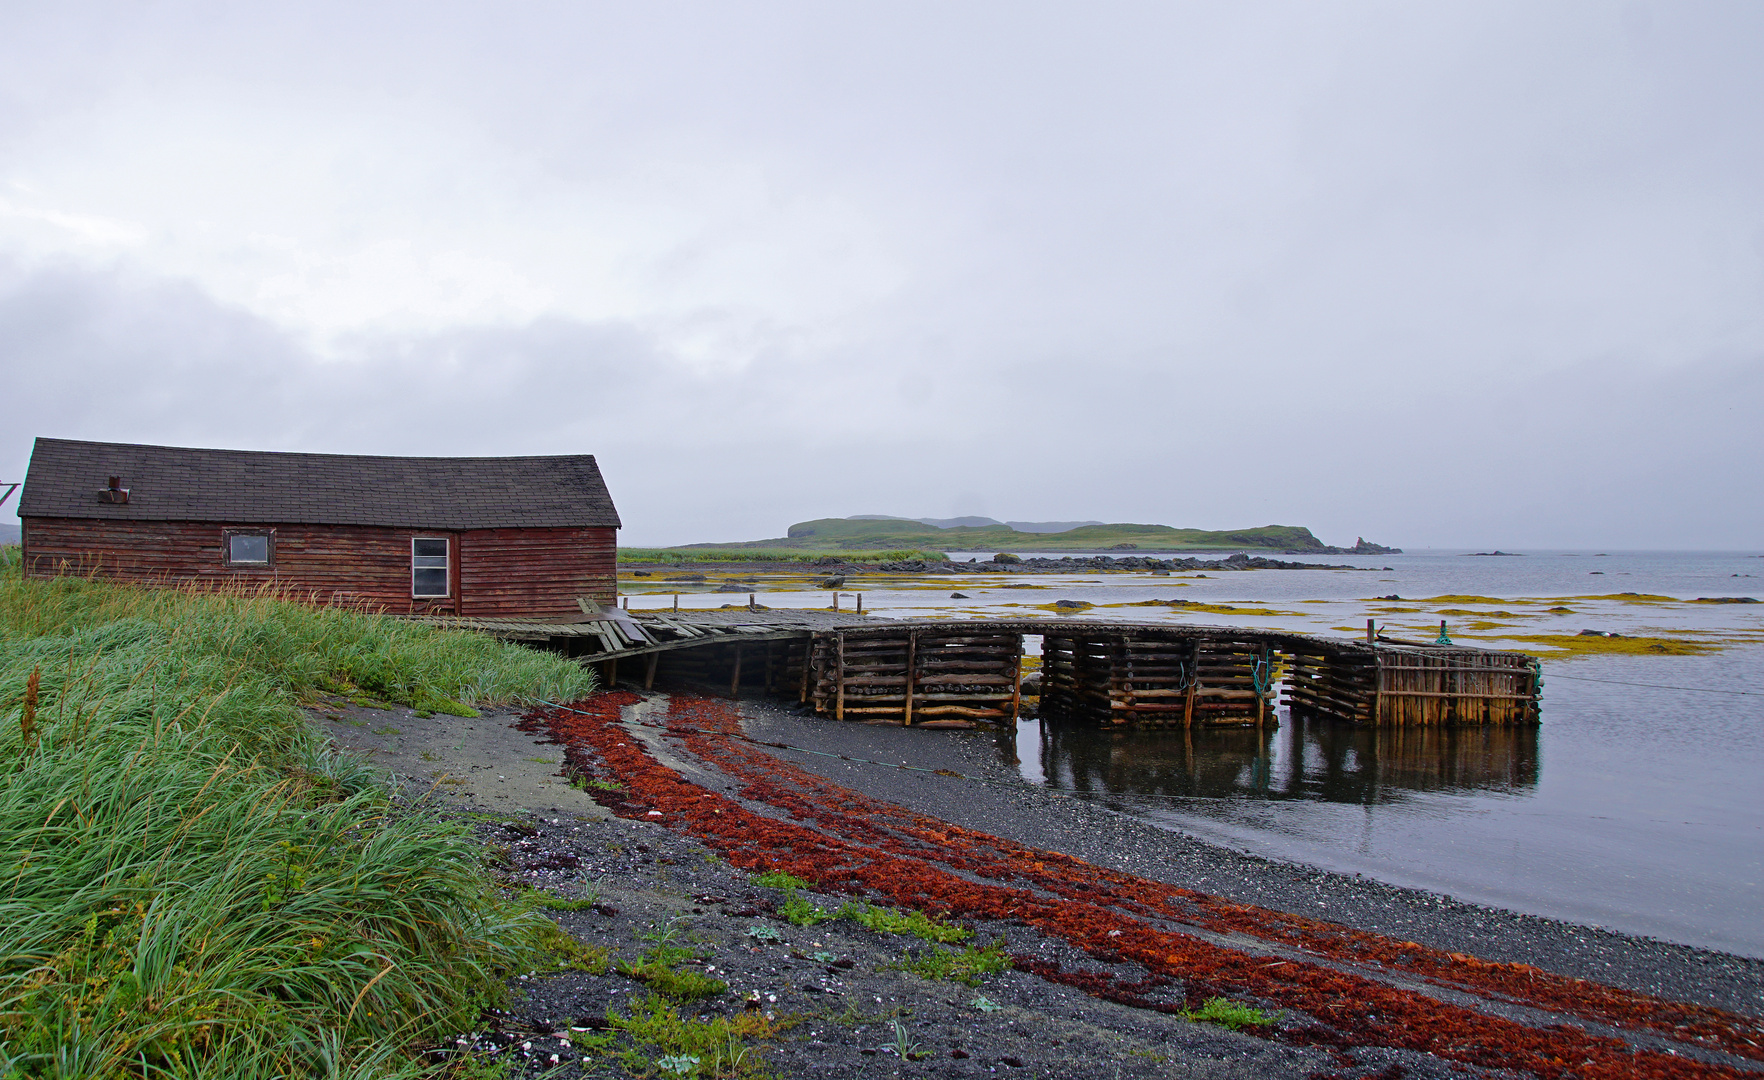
x=871, y=532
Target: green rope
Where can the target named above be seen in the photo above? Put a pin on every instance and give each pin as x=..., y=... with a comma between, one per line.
x=1261, y=674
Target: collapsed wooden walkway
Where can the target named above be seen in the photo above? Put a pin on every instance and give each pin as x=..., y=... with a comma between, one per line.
x=958, y=672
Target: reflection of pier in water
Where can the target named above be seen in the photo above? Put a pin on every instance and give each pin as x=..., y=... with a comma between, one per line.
x=1319, y=760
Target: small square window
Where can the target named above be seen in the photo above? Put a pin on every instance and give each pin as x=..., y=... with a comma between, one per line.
x=428, y=567
x=249, y=548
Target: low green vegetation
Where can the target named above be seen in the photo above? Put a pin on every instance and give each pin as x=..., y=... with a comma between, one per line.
x=1230, y=1014
x=663, y=1043
x=560, y=950
x=796, y=910
x=969, y=965
x=801, y=912
x=198, y=887
x=892, y=921
x=664, y=978
x=778, y=879
x=550, y=901
x=659, y=967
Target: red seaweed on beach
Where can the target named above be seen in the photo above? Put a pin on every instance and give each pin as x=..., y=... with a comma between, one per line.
x=846, y=842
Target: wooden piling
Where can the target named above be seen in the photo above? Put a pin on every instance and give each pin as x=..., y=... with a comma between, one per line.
x=912, y=673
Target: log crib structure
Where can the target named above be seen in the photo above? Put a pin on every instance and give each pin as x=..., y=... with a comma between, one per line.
x=956, y=673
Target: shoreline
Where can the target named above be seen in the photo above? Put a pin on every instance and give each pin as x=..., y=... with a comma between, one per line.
x=1047, y=818
x=1097, y=1033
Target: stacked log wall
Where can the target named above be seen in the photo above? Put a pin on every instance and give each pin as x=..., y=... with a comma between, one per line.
x=1455, y=686
x=912, y=676
x=1156, y=678
x=1397, y=687
x=1332, y=682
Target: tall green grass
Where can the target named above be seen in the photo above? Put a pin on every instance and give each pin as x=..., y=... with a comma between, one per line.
x=191, y=884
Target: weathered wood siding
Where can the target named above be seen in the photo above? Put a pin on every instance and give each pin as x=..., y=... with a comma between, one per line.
x=530, y=573
x=537, y=573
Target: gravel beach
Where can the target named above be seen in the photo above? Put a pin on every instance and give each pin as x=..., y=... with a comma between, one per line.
x=843, y=1000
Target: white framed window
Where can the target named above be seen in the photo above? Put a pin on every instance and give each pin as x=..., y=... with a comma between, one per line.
x=428, y=567
x=249, y=547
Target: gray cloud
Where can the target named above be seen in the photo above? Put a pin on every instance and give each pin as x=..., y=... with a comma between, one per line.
x=1486, y=274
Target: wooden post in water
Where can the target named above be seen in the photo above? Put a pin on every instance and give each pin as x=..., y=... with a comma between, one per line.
x=750, y=605
x=676, y=602
x=860, y=607
x=1371, y=634
x=835, y=599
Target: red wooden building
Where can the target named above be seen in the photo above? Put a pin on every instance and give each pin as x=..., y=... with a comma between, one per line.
x=515, y=537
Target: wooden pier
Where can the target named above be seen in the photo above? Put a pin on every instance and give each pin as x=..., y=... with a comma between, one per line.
x=960, y=672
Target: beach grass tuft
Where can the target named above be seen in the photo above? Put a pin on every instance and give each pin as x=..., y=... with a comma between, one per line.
x=196, y=885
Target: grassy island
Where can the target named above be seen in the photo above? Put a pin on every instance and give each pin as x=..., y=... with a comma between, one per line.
x=901, y=538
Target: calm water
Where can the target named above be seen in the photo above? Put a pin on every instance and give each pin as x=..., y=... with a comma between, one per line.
x=1632, y=807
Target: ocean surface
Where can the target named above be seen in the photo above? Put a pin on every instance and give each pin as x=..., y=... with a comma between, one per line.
x=1637, y=804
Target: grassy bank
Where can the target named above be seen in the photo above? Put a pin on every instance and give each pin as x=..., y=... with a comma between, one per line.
x=193, y=885
x=705, y=553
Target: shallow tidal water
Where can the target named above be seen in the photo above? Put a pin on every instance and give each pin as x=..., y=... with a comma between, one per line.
x=1635, y=807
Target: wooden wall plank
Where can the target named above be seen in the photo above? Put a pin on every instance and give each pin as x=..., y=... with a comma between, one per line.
x=525, y=573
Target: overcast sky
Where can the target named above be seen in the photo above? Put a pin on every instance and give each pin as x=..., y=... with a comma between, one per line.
x=1478, y=274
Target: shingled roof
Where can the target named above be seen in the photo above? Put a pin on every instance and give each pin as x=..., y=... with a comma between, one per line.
x=171, y=483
